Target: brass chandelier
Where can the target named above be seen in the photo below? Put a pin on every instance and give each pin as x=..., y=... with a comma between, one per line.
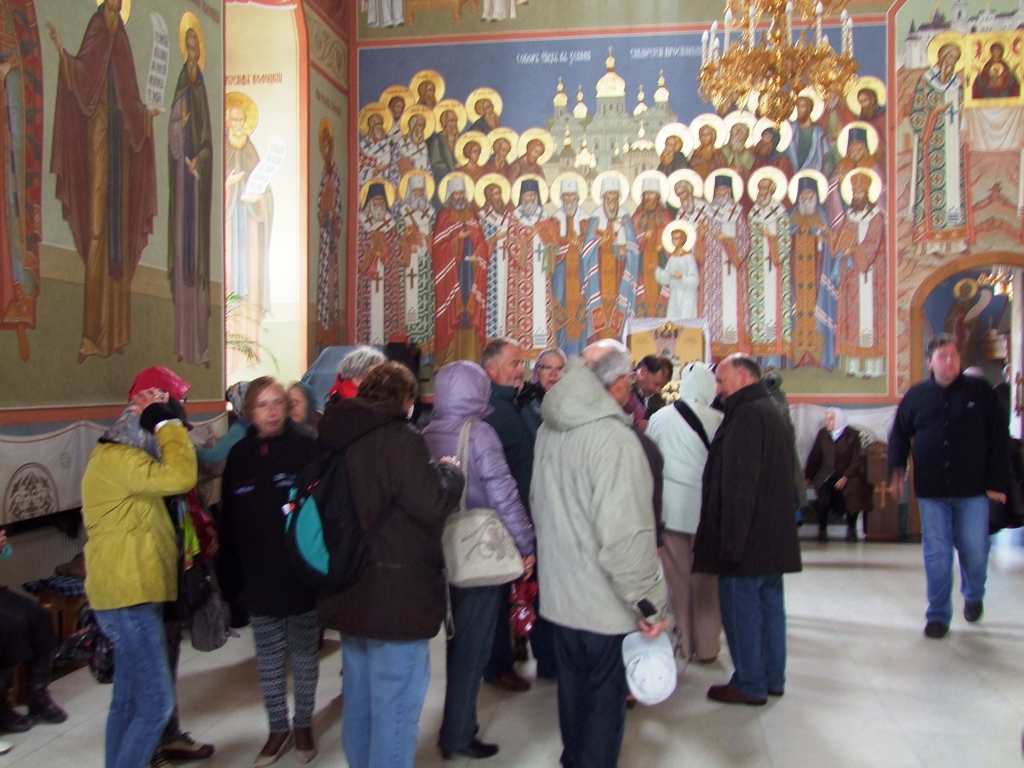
x=775, y=68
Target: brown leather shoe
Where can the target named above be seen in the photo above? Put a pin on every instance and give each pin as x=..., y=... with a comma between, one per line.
x=511, y=681
x=727, y=694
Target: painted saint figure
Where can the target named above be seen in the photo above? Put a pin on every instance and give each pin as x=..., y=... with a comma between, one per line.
x=330, y=209
x=21, y=162
x=564, y=231
x=190, y=136
x=996, y=80
x=460, y=275
x=105, y=163
x=493, y=195
x=649, y=221
x=769, y=297
x=726, y=247
x=415, y=229
x=610, y=261
x=814, y=320
x=527, y=307
x=941, y=209
x=680, y=273
x=380, y=295
x=858, y=242
x=247, y=218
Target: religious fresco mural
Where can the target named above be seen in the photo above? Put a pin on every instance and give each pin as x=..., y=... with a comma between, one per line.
x=105, y=257
x=959, y=184
x=21, y=160
x=569, y=190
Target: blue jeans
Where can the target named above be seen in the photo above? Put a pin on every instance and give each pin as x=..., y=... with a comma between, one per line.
x=474, y=611
x=143, y=697
x=591, y=697
x=384, y=686
x=947, y=523
x=754, y=619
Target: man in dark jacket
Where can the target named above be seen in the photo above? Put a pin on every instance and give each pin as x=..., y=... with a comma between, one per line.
x=747, y=533
x=959, y=447
x=502, y=359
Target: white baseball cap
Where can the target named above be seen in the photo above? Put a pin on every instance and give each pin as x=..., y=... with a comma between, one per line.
x=650, y=667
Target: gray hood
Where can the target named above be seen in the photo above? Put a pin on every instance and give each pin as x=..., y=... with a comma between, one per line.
x=579, y=398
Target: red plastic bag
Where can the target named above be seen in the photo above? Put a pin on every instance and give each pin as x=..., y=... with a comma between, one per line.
x=523, y=614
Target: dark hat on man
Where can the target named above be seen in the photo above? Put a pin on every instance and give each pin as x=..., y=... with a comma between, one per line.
x=807, y=182
x=530, y=185
x=859, y=134
x=376, y=190
x=723, y=180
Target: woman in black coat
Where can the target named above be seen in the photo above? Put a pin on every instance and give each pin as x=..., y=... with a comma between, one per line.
x=257, y=478
x=836, y=469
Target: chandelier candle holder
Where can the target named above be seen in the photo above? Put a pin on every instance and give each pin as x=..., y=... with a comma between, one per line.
x=775, y=68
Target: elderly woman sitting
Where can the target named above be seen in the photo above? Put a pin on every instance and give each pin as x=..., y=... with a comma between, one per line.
x=836, y=469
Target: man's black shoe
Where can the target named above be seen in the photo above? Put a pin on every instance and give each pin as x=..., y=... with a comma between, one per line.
x=936, y=630
x=476, y=749
x=973, y=610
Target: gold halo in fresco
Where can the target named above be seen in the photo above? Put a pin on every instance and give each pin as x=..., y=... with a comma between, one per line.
x=389, y=191
x=397, y=90
x=660, y=179
x=679, y=224
x=737, y=184
x=428, y=187
x=846, y=185
x=517, y=186
x=325, y=130
x=375, y=108
x=443, y=188
x=843, y=140
x=244, y=102
x=819, y=180
x=451, y=105
x=737, y=117
x=537, y=134
x=620, y=180
x=490, y=95
x=558, y=183
x=425, y=113
x=126, y=9
x=942, y=39
x=190, y=21
x=688, y=175
x=871, y=83
x=485, y=181
x=680, y=130
x=768, y=172
x=817, y=104
x=466, y=138
x=971, y=284
x=421, y=77
x=785, y=133
x=508, y=135
x=713, y=120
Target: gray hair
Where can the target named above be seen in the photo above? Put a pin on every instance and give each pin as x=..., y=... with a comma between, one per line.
x=609, y=360
x=357, y=363
x=493, y=350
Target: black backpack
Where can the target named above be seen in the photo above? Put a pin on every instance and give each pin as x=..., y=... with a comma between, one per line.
x=324, y=538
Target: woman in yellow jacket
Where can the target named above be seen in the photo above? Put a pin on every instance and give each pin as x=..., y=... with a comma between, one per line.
x=131, y=559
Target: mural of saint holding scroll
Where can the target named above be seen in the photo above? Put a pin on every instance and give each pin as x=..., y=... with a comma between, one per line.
x=190, y=139
x=97, y=179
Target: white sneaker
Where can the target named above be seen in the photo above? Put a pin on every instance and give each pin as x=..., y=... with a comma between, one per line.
x=5, y=747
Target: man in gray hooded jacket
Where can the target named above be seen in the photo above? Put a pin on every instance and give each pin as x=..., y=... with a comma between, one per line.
x=597, y=562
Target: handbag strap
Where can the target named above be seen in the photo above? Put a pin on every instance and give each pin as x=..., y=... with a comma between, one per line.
x=691, y=418
x=462, y=454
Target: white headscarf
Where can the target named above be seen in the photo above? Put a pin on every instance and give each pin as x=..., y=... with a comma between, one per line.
x=841, y=421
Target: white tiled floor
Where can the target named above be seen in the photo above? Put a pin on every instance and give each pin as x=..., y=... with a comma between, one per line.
x=865, y=688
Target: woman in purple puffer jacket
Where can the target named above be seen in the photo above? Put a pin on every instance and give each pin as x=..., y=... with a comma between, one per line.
x=461, y=392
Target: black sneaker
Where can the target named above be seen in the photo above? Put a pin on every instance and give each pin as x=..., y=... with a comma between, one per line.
x=936, y=630
x=973, y=610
